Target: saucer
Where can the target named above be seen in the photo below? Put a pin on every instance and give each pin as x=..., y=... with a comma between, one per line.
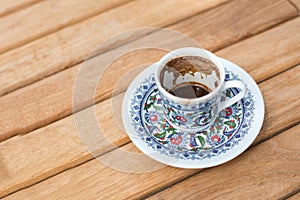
x=234, y=129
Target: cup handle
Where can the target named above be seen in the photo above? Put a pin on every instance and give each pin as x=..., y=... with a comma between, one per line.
x=237, y=97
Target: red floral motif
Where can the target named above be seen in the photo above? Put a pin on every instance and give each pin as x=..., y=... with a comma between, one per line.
x=221, y=131
x=154, y=118
x=177, y=140
x=215, y=138
x=181, y=118
x=228, y=111
x=153, y=98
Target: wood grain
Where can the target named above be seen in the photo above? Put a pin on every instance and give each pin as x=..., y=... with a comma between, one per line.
x=46, y=17
x=104, y=182
x=275, y=47
x=9, y=6
x=297, y=4
x=50, y=99
x=73, y=44
x=52, y=149
x=54, y=159
x=57, y=147
x=270, y=170
x=290, y=100
x=244, y=19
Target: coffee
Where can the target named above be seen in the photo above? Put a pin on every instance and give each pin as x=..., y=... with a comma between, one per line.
x=184, y=72
x=190, y=90
x=188, y=65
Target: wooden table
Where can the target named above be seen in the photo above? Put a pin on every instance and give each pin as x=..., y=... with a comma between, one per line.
x=43, y=45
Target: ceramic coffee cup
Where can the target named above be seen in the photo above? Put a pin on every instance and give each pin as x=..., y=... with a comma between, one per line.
x=197, y=66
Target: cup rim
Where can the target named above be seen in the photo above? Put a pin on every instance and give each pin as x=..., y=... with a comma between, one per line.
x=191, y=51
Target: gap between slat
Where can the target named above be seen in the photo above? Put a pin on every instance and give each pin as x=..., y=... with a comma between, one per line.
x=252, y=146
x=256, y=142
x=169, y=184
x=58, y=28
x=291, y=195
x=93, y=56
x=16, y=8
x=108, y=97
x=295, y=4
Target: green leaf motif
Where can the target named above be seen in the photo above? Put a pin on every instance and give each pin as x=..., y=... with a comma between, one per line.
x=147, y=106
x=171, y=129
x=160, y=135
x=201, y=139
x=229, y=123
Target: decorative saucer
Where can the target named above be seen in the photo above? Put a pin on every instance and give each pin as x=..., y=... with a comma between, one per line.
x=234, y=130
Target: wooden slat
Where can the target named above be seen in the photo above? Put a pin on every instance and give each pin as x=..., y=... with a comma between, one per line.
x=208, y=28
x=50, y=99
x=46, y=17
x=73, y=44
x=102, y=178
x=57, y=147
x=292, y=81
x=270, y=170
x=297, y=4
x=9, y=6
x=277, y=47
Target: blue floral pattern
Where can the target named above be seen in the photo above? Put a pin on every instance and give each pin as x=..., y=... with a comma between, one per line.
x=147, y=116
